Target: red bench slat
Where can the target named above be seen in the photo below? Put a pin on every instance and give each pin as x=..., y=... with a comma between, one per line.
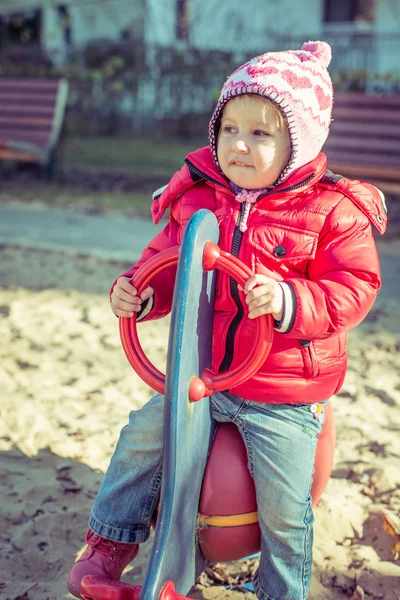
x=376, y=161
x=365, y=115
x=31, y=86
x=26, y=111
x=361, y=144
x=367, y=173
x=30, y=137
x=359, y=99
x=25, y=122
x=31, y=114
x=365, y=138
x=15, y=99
x=366, y=130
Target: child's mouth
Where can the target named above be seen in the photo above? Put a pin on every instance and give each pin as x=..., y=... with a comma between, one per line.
x=238, y=163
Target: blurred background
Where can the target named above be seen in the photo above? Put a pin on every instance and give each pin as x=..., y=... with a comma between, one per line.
x=143, y=77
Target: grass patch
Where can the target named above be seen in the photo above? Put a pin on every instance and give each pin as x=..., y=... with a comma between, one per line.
x=130, y=154
x=145, y=157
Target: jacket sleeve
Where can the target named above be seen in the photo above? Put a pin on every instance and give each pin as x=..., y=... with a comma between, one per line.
x=343, y=279
x=163, y=283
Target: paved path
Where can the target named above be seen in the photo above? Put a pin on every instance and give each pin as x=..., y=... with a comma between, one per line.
x=106, y=236
x=122, y=238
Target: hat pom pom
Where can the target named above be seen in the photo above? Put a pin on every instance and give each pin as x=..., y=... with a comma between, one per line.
x=320, y=50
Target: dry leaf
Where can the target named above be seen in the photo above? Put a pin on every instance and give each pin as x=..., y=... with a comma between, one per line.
x=393, y=528
x=358, y=594
x=25, y=595
x=229, y=574
x=66, y=482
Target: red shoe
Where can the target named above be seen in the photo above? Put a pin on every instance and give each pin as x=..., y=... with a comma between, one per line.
x=101, y=558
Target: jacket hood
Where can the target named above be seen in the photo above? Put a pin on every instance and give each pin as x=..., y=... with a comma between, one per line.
x=369, y=199
x=200, y=166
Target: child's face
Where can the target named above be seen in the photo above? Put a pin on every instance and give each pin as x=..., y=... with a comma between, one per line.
x=253, y=145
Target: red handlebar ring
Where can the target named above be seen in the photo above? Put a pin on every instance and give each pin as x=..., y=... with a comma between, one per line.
x=208, y=382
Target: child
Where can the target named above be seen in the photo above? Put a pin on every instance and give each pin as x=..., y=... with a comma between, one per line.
x=306, y=234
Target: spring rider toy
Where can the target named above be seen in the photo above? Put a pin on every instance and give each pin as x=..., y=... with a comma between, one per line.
x=207, y=508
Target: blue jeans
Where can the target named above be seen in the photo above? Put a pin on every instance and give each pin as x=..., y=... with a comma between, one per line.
x=281, y=442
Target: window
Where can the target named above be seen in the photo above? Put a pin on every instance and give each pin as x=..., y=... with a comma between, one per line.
x=20, y=28
x=65, y=22
x=346, y=11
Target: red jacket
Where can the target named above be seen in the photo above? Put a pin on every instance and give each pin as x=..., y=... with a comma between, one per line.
x=313, y=233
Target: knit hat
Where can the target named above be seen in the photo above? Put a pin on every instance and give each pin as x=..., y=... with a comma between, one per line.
x=298, y=82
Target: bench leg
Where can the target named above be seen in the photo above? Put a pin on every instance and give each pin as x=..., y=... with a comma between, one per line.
x=50, y=165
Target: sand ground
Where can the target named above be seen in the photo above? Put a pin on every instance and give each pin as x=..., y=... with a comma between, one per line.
x=66, y=390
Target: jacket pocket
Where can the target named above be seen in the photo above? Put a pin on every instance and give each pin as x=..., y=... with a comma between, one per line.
x=310, y=360
x=331, y=354
x=282, y=249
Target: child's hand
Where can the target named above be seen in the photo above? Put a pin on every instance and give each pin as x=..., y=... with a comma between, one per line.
x=124, y=299
x=263, y=296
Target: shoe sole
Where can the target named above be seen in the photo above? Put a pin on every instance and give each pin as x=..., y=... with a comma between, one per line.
x=101, y=588
x=74, y=590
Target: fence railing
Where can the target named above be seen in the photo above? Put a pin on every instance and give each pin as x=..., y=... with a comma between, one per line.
x=378, y=56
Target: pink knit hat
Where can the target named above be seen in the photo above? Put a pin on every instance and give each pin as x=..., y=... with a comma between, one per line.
x=296, y=80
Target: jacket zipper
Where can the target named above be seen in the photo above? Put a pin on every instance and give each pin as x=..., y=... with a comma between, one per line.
x=234, y=324
x=236, y=243
x=202, y=175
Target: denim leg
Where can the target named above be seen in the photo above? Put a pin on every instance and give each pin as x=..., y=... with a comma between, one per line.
x=125, y=504
x=281, y=442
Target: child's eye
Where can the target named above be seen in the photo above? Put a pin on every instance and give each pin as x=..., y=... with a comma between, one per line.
x=260, y=133
x=229, y=129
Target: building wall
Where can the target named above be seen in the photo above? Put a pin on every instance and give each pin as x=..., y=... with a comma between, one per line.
x=388, y=16
x=103, y=20
x=214, y=24
x=160, y=22
x=252, y=25
x=387, y=44
x=245, y=26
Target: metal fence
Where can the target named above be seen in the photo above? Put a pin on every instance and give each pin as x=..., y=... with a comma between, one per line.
x=146, y=88
x=376, y=55
x=360, y=62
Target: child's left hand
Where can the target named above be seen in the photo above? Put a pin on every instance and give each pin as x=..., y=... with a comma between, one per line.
x=264, y=296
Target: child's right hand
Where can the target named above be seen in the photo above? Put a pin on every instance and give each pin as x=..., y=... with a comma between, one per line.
x=124, y=299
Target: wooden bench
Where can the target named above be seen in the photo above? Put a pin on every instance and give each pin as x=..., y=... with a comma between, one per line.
x=364, y=142
x=31, y=117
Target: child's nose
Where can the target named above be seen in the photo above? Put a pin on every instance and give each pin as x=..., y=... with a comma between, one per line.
x=240, y=146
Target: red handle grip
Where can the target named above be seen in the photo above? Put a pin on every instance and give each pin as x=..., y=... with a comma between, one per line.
x=208, y=382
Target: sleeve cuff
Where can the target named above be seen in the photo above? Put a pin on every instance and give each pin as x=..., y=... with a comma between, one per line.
x=289, y=309
x=146, y=308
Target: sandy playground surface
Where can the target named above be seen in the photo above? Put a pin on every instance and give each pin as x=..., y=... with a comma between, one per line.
x=66, y=391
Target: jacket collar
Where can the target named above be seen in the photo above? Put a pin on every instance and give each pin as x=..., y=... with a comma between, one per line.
x=200, y=166
x=202, y=161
